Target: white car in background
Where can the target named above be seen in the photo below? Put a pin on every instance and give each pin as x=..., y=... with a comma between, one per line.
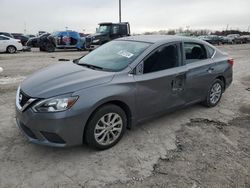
x=9, y=45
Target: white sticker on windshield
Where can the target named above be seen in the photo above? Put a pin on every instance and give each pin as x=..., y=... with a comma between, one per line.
x=125, y=53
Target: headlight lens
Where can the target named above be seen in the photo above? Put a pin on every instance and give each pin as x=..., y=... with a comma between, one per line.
x=56, y=104
x=96, y=40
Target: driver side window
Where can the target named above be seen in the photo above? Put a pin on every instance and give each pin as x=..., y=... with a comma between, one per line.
x=164, y=58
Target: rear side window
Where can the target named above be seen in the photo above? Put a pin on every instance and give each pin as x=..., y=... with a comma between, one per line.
x=210, y=51
x=123, y=29
x=3, y=38
x=164, y=58
x=115, y=29
x=194, y=52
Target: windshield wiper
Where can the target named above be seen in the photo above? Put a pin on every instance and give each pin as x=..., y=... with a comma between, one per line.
x=90, y=66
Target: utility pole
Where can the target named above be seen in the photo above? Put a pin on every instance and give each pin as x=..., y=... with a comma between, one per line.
x=25, y=30
x=120, y=11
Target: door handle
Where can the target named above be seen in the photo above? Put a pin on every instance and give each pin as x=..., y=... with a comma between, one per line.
x=210, y=69
x=177, y=85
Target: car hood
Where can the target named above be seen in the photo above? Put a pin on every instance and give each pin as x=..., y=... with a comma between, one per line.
x=63, y=78
x=97, y=35
x=29, y=42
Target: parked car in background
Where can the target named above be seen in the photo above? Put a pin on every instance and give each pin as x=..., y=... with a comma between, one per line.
x=212, y=39
x=226, y=40
x=107, y=32
x=41, y=32
x=35, y=41
x=7, y=34
x=10, y=45
x=30, y=36
x=236, y=39
x=245, y=38
x=24, y=39
x=95, y=98
x=58, y=40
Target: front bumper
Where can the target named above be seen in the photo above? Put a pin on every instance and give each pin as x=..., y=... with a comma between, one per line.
x=53, y=129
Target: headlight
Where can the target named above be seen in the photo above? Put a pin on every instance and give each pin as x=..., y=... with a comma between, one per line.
x=96, y=40
x=55, y=104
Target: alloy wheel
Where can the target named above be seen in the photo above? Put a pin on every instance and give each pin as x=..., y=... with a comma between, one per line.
x=11, y=49
x=215, y=93
x=108, y=129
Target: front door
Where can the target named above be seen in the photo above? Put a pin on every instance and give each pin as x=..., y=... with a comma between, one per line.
x=160, y=81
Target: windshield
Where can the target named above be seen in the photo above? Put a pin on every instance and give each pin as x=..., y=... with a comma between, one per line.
x=115, y=55
x=103, y=29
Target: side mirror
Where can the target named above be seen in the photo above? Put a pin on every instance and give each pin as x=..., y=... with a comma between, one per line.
x=139, y=68
x=76, y=60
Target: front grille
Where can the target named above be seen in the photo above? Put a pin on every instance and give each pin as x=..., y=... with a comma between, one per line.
x=23, y=98
x=28, y=131
x=53, y=137
x=88, y=42
x=89, y=39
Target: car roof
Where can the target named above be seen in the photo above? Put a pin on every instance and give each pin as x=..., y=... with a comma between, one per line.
x=159, y=38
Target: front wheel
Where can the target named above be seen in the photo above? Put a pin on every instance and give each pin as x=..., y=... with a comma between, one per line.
x=106, y=127
x=214, y=93
x=50, y=47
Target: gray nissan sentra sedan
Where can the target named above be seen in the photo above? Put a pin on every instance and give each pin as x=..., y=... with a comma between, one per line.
x=94, y=99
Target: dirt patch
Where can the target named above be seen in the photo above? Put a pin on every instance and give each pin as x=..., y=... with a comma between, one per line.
x=246, y=81
x=209, y=154
x=11, y=80
x=245, y=109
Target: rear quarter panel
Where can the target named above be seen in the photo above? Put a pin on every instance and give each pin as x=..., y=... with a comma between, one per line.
x=223, y=68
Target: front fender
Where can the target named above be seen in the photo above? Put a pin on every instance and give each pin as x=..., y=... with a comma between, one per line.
x=92, y=98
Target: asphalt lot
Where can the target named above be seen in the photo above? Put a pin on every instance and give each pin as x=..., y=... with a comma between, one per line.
x=193, y=147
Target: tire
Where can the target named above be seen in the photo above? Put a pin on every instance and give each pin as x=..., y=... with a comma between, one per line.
x=50, y=47
x=11, y=49
x=41, y=49
x=214, y=93
x=101, y=135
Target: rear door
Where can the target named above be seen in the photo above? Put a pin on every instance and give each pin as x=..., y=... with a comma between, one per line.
x=160, y=81
x=200, y=71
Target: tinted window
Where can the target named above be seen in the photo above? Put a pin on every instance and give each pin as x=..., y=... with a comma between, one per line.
x=115, y=29
x=194, y=52
x=115, y=55
x=104, y=29
x=3, y=38
x=163, y=58
x=123, y=29
x=6, y=34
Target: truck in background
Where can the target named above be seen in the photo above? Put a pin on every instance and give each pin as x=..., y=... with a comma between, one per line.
x=106, y=32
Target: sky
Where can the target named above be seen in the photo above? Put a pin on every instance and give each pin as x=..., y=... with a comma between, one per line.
x=143, y=15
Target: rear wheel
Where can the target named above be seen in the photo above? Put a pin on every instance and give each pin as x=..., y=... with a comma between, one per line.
x=11, y=49
x=41, y=49
x=106, y=127
x=214, y=93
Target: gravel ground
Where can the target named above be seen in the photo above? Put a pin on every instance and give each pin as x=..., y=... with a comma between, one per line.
x=193, y=147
